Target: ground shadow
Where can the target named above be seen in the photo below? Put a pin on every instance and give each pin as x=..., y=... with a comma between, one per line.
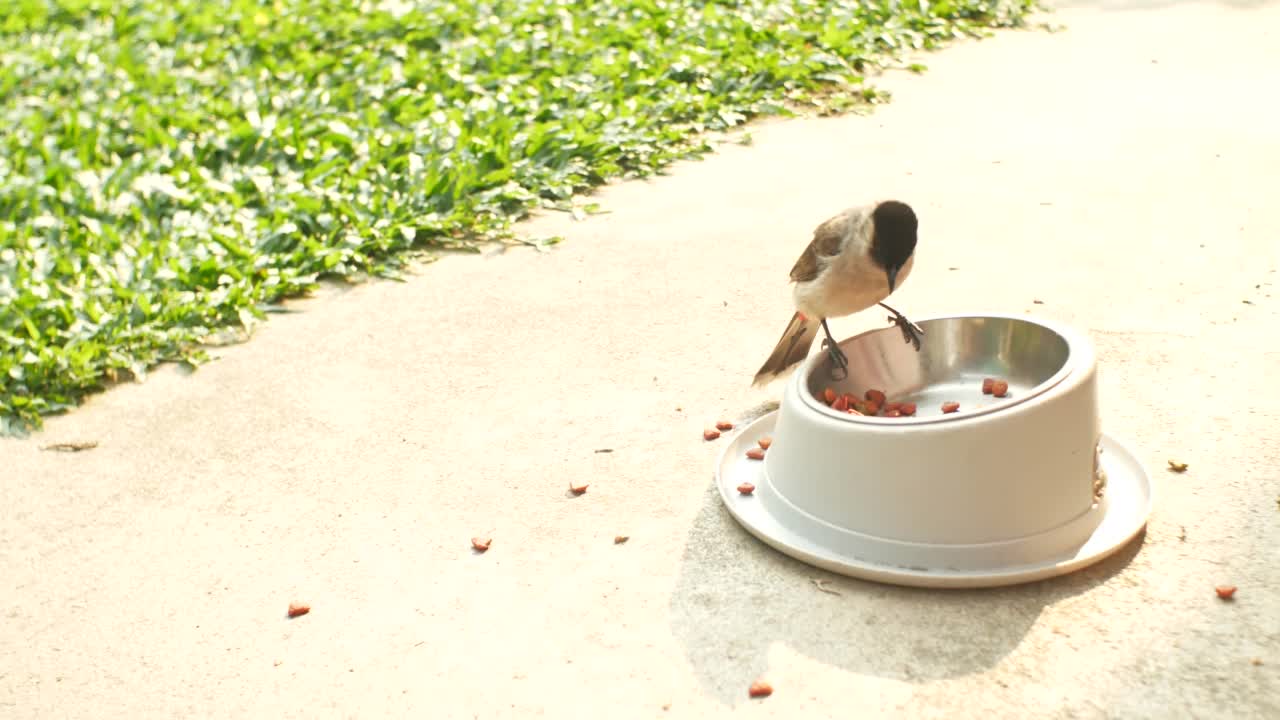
x=735, y=597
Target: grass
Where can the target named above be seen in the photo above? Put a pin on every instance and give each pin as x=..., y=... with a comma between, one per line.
x=171, y=168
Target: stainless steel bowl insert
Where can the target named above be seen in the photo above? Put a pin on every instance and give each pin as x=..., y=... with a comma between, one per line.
x=957, y=353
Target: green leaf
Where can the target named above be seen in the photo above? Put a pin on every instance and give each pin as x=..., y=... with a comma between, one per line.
x=171, y=166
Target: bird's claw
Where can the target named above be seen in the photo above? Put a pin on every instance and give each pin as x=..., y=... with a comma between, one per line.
x=911, y=332
x=839, y=361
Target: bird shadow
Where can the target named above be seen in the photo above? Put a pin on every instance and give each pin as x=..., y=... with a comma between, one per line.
x=735, y=597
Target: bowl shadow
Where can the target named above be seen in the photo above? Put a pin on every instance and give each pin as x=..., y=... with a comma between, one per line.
x=735, y=597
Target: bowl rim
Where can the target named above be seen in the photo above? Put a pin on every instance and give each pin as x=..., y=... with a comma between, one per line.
x=1071, y=338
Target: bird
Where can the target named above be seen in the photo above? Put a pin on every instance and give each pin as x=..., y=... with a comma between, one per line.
x=857, y=258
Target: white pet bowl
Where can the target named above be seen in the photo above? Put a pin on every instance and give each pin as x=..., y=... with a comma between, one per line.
x=1005, y=490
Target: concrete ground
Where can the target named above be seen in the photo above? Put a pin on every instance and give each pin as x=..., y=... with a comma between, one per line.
x=1123, y=172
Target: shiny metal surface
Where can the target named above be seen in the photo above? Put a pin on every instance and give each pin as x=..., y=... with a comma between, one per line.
x=957, y=353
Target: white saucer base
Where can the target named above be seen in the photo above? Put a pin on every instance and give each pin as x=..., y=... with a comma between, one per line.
x=1126, y=502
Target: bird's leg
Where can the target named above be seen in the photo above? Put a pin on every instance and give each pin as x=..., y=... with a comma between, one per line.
x=839, y=361
x=911, y=332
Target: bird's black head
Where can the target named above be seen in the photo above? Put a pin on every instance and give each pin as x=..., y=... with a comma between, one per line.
x=893, y=237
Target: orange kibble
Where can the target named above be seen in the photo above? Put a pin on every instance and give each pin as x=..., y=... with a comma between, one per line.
x=724, y=425
x=481, y=544
x=876, y=396
x=829, y=396
x=577, y=489
x=760, y=689
x=755, y=454
x=908, y=408
x=841, y=404
x=746, y=488
x=986, y=385
x=893, y=413
x=297, y=609
x=765, y=442
x=1226, y=592
x=999, y=388
x=710, y=434
x=950, y=407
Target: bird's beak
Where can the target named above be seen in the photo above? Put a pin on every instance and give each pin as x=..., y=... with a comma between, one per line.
x=893, y=277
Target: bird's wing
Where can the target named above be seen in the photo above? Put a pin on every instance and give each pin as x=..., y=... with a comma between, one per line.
x=828, y=240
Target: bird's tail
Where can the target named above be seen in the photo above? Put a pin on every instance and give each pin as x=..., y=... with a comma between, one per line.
x=792, y=348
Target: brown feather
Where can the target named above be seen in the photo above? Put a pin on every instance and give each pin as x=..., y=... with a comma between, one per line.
x=792, y=348
x=828, y=238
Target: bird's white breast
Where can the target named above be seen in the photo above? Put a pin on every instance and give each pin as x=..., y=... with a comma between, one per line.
x=848, y=283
